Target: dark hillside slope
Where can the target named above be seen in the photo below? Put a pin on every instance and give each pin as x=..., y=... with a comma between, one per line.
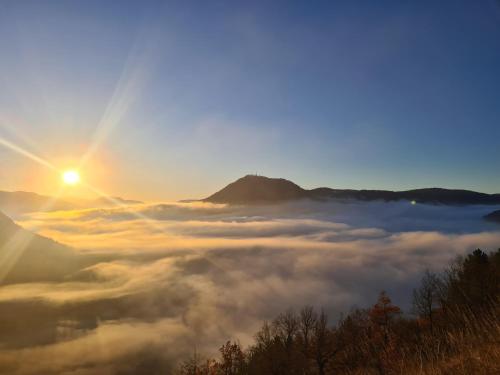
x=494, y=216
x=27, y=257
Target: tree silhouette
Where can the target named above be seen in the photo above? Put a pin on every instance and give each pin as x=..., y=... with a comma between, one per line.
x=427, y=299
x=232, y=359
x=382, y=338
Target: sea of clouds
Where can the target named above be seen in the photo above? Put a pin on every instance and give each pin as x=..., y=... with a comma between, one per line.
x=158, y=281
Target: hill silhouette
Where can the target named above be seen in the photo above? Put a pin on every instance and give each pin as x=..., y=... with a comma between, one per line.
x=257, y=189
x=27, y=257
x=494, y=216
x=253, y=189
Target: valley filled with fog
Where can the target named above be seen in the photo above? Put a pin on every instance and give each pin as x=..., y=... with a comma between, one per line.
x=152, y=282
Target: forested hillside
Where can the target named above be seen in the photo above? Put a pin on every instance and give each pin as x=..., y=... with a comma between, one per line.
x=453, y=328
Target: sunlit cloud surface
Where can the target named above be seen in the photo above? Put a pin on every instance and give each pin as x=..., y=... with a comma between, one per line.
x=204, y=273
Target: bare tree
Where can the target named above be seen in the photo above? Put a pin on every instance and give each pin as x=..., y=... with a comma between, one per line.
x=307, y=321
x=196, y=365
x=286, y=327
x=232, y=359
x=427, y=298
x=325, y=343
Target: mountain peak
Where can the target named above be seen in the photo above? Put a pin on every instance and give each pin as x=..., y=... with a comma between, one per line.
x=258, y=189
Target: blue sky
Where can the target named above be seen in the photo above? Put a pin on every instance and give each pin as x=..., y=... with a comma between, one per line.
x=180, y=98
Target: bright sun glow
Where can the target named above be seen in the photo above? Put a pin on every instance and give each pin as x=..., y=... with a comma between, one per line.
x=71, y=177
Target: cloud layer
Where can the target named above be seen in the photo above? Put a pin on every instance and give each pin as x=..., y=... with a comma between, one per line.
x=160, y=280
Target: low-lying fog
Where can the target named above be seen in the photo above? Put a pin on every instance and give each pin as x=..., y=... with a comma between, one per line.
x=163, y=279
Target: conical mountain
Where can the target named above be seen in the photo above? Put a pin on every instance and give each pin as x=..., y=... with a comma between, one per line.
x=258, y=189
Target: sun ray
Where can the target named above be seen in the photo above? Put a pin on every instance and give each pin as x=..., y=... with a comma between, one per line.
x=13, y=129
x=27, y=154
x=128, y=89
x=151, y=221
x=119, y=204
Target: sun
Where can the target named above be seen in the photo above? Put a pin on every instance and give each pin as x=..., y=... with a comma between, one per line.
x=71, y=177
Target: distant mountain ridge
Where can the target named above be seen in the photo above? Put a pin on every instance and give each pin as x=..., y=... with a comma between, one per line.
x=253, y=189
x=19, y=202
x=14, y=202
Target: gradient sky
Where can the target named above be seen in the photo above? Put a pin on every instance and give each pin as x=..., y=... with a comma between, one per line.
x=176, y=99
